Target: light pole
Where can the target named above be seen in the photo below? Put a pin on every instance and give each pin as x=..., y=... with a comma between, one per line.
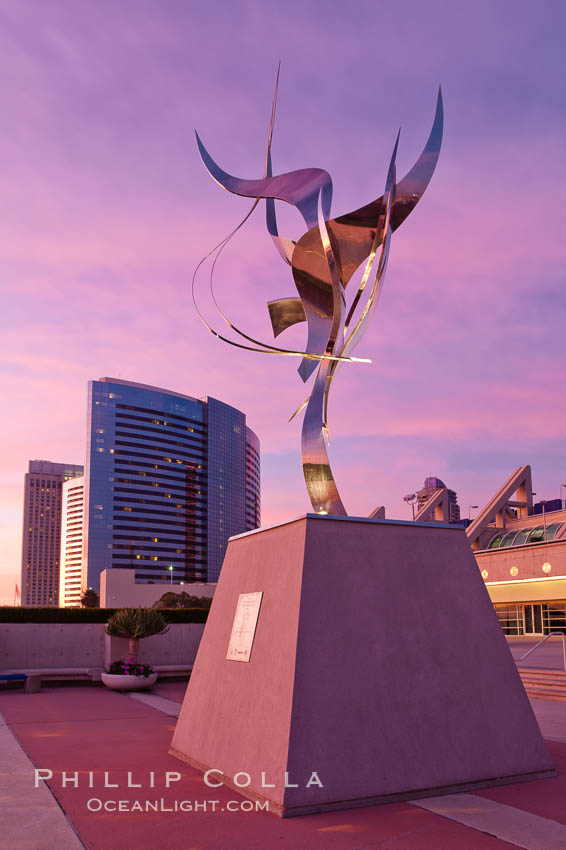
x=470, y=509
x=562, y=501
x=543, y=503
x=411, y=499
x=170, y=568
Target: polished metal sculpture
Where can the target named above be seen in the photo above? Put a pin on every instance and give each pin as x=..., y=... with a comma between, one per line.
x=323, y=262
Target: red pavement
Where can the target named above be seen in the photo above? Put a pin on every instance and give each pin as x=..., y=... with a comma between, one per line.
x=93, y=729
x=546, y=798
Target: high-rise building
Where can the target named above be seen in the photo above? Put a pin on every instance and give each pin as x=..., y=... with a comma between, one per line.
x=43, y=496
x=431, y=486
x=72, y=583
x=169, y=478
x=253, y=486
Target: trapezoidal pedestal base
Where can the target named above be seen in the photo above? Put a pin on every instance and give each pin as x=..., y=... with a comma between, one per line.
x=378, y=671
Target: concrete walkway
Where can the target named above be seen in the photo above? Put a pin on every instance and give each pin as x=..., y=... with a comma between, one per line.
x=160, y=703
x=81, y=734
x=28, y=820
x=513, y=825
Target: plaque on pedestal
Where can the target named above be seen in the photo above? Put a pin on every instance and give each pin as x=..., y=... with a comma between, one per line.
x=243, y=630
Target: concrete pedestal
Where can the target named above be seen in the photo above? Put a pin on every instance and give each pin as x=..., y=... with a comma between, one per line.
x=378, y=664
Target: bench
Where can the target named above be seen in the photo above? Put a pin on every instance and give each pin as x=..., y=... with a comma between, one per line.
x=32, y=678
x=173, y=671
x=32, y=681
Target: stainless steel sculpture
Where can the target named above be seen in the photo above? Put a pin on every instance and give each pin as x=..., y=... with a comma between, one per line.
x=323, y=262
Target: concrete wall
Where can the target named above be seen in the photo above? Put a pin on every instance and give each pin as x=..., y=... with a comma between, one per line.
x=118, y=589
x=527, y=559
x=42, y=646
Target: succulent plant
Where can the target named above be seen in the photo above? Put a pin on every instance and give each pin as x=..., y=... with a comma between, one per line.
x=136, y=624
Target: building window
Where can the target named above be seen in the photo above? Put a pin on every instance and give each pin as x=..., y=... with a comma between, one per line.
x=510, y=619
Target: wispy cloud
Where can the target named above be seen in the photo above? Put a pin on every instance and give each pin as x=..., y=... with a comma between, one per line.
x=107, y=210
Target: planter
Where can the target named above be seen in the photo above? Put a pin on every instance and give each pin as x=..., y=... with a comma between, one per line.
x=120, y=682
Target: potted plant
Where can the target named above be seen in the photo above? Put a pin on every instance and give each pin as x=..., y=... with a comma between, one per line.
x=133, y=624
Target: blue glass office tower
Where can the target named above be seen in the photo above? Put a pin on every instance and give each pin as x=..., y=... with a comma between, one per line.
x=168, y=480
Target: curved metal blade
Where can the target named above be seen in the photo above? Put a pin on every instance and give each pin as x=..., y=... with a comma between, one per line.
x=353, y=234
x=319, y=480
x=383, y=238
x=310, y=191
x=285, y=312
x=301, y=188
x=284, y=245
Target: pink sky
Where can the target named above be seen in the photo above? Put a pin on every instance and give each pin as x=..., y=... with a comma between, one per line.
x=107, y=209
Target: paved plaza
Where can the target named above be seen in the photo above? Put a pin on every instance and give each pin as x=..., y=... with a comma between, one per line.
x=85, y=731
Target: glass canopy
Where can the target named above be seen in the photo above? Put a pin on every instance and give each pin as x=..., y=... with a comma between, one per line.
x=524, y=536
